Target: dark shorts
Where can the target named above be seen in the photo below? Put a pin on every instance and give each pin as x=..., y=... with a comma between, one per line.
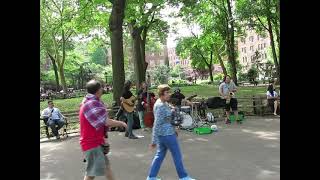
x=233, y=105
x=96, y=162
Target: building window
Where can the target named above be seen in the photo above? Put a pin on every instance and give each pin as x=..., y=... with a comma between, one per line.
x=258, y=37
x=251, y=48
x=265, y=55
x=251, y=38
x=264, y=45
x=243, y=40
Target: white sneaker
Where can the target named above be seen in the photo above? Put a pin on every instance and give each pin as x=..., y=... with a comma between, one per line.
x=154, y=178
x=187, y=178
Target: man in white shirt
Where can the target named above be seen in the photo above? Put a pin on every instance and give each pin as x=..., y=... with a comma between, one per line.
x=53, y=117
x=225, y=88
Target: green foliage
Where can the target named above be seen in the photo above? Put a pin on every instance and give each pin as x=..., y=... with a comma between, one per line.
x=177, y=71
x=99, y=56
x=218, y=77
x=252, y=74
x=160, y=74
x=242, y=76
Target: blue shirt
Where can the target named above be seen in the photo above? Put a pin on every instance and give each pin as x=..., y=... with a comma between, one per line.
x=161, y=126
x=56, y=114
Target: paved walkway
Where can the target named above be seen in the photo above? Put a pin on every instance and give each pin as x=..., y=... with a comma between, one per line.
x=250, y=151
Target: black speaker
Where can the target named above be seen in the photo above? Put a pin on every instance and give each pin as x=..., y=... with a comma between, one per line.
x=216, y=102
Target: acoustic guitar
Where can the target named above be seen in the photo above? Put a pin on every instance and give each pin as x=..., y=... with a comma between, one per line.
x=128, y=104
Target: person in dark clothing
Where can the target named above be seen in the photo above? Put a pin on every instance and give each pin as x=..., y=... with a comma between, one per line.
x=177, y=97
x=129, y=115
x=142, y=97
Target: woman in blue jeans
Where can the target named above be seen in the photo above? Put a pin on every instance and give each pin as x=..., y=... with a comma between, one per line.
x=164, y=137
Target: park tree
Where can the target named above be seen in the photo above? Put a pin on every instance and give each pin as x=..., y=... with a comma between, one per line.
x=116, y=30
x=264, y=16
x=252, y=74
x=60, y=22
x=160, y=74
x=216, y=16
x=202, y=50
x=143, y=18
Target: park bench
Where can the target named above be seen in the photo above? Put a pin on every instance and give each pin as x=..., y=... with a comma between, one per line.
x=72, y=123
x=258, y=104
x=249, y=105
x=70, y=119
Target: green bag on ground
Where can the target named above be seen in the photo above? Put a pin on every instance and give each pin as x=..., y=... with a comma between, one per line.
x=240, y=114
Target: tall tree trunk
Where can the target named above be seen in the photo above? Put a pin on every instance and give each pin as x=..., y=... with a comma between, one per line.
x=210, y=66
x=224, y=70
x=232, y=56
x=273, y=48
x=115, y=26
x=277, y=25
x=55, y=69
x=63, y=79
x=166, y=56
x=143, y=52
x=137, y=57
x=211, y=73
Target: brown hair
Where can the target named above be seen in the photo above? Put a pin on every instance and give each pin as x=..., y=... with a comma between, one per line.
x=162, y=88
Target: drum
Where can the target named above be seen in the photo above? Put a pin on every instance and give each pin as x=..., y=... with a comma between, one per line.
x=186, y=109
x=210, y=117
x=187, y=121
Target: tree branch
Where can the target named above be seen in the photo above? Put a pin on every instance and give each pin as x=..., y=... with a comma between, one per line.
x=263, y=24
x=55, y=4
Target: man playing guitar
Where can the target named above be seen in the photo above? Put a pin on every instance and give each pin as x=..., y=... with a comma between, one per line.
x=128, y=101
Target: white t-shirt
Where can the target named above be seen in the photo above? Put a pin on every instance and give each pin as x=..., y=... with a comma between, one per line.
x=227, y=88
x=274, y=94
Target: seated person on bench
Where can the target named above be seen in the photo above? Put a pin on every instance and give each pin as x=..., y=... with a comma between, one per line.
x=273, y=99
x=52, y=118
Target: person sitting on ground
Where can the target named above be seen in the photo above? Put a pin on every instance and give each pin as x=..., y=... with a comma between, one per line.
x=52, y=118
x=225, y=90
x=273, y=99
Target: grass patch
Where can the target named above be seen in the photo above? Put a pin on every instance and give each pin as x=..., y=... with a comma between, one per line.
x=201, y=90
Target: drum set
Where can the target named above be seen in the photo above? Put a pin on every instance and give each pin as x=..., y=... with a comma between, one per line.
x=194, y=116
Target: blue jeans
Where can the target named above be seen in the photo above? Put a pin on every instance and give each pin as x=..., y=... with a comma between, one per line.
x=129, y=117
x=141, y=118
x=52, y=124
x=167, y=142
